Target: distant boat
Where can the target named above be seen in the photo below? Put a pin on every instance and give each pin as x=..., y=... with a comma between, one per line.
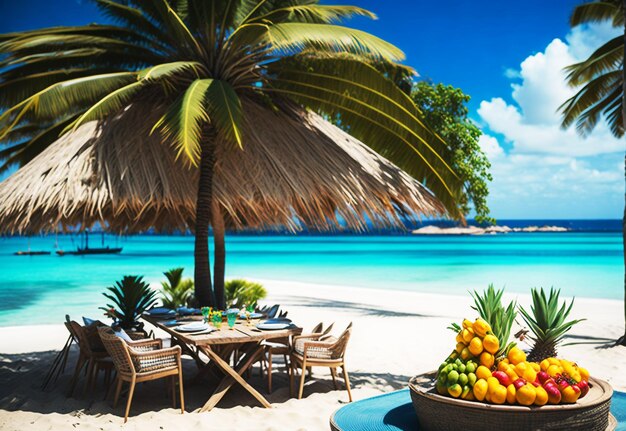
x=29, y=252
x=91, y=250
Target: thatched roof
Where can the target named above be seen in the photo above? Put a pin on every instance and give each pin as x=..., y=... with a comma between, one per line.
x=293, y=169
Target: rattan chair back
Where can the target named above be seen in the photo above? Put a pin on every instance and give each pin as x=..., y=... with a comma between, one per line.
x=117, y=349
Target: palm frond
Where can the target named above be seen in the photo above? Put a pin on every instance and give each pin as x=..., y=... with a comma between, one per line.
x=184, y=119
x=599, y=11
x=61, y=98
x=313, y=13
x=225, y=110
x=295, y=37
x=608, y=58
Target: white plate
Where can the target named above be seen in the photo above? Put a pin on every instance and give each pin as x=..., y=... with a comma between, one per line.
x=273, y=326
x=193, y=327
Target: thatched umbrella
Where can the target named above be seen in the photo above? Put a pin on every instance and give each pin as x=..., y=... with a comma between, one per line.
x=294, y=170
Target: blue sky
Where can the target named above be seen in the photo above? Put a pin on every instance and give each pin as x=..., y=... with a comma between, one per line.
x=508, y=57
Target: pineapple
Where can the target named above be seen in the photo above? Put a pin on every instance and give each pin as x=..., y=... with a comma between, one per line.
x=489, y=307
x=547, y=323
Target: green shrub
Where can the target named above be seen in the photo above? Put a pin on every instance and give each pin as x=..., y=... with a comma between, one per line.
x=176, y=291
x=241, y=292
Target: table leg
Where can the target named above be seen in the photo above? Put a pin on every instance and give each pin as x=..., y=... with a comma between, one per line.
x=251, y=354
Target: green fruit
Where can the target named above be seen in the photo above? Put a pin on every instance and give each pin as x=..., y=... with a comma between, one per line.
x=462, y=368
x=448, y=368
x=442, y=366
x=453, y=377
x=442, y=377
x=455, y=390
x=458, y=363
x=471, y=379
x=463, y=379
x=470, y=367
x=441, y=389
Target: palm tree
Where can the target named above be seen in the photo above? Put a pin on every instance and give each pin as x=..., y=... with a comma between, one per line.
x=198, y=63
x=603, y=80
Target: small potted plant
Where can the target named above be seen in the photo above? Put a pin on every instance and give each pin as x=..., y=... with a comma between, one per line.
x=129, y=297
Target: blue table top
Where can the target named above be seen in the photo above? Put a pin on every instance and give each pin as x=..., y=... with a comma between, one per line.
x=394, y=412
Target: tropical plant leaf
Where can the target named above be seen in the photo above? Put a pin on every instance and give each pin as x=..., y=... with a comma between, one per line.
x=225, y=110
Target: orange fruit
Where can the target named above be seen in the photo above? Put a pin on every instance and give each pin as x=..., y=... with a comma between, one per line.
x=584, y=374
x=467, y=334
x=498, y=396
x=492, y=384
x=486, y=359
x=491, y=343
x=520, y=368
x=526, y=395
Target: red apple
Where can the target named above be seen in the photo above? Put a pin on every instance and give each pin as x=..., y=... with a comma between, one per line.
x=554, y=395
x=502, y=378
x=584, y=387
x=519, y=383
x=543, y=376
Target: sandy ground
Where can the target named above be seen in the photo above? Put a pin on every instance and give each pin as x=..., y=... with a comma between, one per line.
x=396, y=335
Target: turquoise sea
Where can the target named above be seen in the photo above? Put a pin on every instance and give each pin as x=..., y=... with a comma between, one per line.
x=42, y=289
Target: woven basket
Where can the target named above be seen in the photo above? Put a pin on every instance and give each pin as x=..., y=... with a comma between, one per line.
x=439, y=413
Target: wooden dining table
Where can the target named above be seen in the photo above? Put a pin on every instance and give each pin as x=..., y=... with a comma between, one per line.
x=219, y=346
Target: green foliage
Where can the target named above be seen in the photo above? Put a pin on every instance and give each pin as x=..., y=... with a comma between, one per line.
x=601, y=75
x=130, y=297
x=445, y=111
x=546, y=321
x=489, y=307
x=240, y=292
x=176, y=291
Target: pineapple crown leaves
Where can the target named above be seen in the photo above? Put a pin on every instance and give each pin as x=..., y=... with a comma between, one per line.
x=546, y=319
x=455, y=327
x=489, y=307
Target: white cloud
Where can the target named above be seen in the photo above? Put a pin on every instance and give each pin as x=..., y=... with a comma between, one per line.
x=546, y=171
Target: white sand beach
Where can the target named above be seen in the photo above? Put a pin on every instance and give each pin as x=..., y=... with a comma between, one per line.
x=396, y=335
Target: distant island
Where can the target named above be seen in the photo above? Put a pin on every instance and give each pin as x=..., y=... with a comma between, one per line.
x=491, y=230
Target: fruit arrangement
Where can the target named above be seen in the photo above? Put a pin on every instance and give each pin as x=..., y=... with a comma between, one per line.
x=478, y=369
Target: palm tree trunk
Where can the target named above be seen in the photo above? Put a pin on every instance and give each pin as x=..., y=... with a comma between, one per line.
x=202, y=269
x=622, y=340
x=219, y=255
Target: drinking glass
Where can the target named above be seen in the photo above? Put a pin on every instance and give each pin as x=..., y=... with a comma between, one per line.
x=217, y=319
x=206, y=312
x=232, y=318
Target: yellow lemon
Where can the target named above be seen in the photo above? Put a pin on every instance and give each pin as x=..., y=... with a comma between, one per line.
x=480, y=389
x=499, y=395
x=541, y=396
x=467, y=335
x=492, y=384
x=553, y=370
x=535, y=366
x=481, y=328
x=491, y=343
x=476, y=346
x=459, y=347
x=520, y=368
x=465, y=354
x=510, y=394
x=544, y=365
x=467, y=323
x=584, y=374
x=526, y=395
x=516, y=355
x=529, y=375
x=483, y=372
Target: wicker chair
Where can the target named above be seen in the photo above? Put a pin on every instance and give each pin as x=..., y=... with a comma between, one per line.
x=141, y=361
x=283, y=347
x=311, y=351
x=91, y=354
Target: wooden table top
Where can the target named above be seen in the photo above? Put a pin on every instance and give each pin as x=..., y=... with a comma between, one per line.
x=241, y=333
